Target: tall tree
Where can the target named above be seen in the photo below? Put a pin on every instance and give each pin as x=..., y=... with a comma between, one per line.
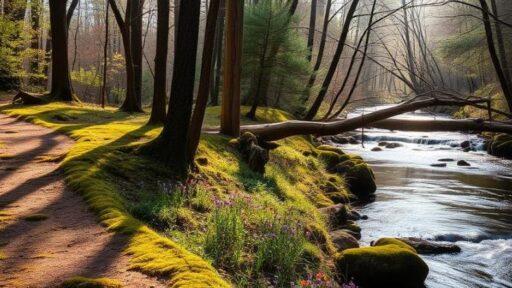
x=205, y=80
x=61, y=81
x=501, y=43
x=171, y=145
x=321, y=49
x=312, y=27
x=507, y=90
x=162, y=44
x=230, y=109
x=130, y=103
x=334, y=63
x=219, y=40
x=136, y=43
x=275, y=38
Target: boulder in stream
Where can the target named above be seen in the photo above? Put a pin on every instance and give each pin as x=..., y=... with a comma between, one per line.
x=390, y=263
x=376, y=149
x=428, y=247
x=463, y=163
x=441, y=165
x=393, y=145
x=501, y=146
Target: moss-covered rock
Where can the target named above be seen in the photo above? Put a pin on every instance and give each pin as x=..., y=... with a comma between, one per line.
x=330, y=158
x=501, y=146
x=331, y=149
x=361, y=180
x=391, y=263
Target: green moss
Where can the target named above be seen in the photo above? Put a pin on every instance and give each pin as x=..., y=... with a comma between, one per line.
x=386, y=265
x=331, y=149
x=501, y=146
x=83, y=282
x=394, y=241
x=124, y=189
x=330, y=158
x=36, y=217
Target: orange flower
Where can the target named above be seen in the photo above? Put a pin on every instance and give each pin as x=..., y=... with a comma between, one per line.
x=304, y=283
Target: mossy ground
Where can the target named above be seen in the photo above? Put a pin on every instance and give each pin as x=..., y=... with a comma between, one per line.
x=167, y=222
x=83, y=282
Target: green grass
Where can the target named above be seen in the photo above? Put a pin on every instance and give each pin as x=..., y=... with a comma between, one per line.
x=168, y=223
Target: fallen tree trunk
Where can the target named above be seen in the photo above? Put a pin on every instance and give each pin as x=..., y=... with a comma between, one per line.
x=276, y=131
x=474, y=125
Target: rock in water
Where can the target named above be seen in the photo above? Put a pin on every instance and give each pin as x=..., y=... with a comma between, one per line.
x=376, y=149
x=465, y=144
x=427, y=247
x=438, y=165
x=393, y=145
x=390, y=263
x=446, y=160
x=463, y=163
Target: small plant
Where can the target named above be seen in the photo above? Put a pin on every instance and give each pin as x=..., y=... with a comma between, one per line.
x=320, y=280
x=225, y=237
x=201, y=201
x=279, y=251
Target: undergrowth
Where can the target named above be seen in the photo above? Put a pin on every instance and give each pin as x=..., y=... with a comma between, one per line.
x=221, y=217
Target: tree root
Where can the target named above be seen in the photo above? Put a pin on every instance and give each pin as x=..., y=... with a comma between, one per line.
x=28, y=99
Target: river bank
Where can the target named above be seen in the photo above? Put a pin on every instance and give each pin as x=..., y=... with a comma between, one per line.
x=420, y=196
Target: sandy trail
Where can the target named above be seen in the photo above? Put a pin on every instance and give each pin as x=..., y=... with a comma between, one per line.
x=69, y=242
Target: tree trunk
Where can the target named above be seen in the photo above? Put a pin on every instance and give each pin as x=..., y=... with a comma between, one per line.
x=162, y=43
x=130, y=102
x=334, y=64
x=312, y=27
x=205, y=80
x=136, y=43
x=105, y=56
x=507, y=90
x=230, y=109
x=501, y=45
x=219, y=37
x=35, y=19
x=276, y=131
x=61, y=81
x=171, y=144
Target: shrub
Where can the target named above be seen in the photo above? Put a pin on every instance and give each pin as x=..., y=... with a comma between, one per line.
x=280, y=251
x=225, y=237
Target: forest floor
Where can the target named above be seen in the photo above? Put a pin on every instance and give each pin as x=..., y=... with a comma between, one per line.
x=47, y=233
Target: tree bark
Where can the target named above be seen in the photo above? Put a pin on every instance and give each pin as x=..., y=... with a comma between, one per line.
x=130, y=102
x=230, y=109
x=501, y=45
x=334, y=63
x=61, y=81
x=136, y=42
x=162, y=44
x=312, y=27
x=171, y=145
x=105, y=55
x=219, y=37
x=205, y=80
x=276, y=131
x=507, y=90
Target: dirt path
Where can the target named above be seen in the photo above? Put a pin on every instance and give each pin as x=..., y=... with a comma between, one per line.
x=69, y=242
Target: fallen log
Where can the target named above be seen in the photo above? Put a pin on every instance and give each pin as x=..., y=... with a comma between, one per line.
x=472, y=125
x=276, y=131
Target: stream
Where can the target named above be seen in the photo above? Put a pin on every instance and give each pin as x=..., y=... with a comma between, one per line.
x=469, y=206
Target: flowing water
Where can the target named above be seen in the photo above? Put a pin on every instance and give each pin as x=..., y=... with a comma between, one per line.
x=468, y=206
